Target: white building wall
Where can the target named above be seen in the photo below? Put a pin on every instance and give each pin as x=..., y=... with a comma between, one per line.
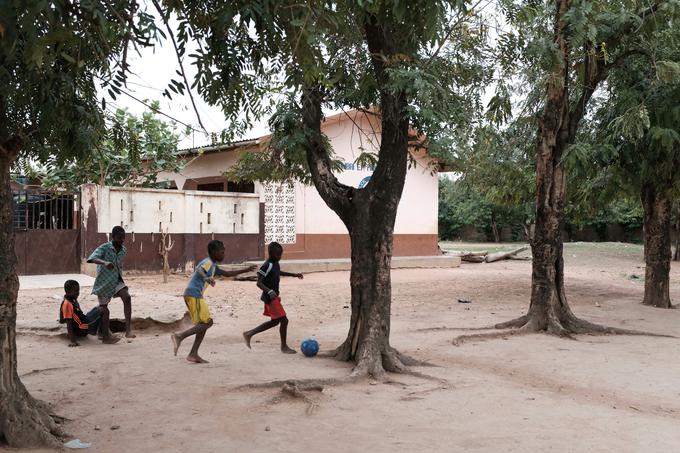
x=206, y=165
x=176, y=211
x=418, y=209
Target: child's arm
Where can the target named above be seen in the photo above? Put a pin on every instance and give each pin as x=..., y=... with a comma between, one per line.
x=288, y=274
x=235, y=273
x=96, y=258
x=270, y=292
x=71, y=333
x=204, y=275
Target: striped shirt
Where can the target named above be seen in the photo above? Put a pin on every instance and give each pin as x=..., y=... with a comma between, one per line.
x=70, y=312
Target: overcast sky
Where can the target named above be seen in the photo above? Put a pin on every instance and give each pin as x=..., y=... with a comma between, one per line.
x=151, y=74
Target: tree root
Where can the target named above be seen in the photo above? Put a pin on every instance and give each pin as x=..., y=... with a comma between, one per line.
x=581, y=326
x=25, y=422
x=292, y=390
x=45, y=370
x=518, y=322
x=446, y=328
x=295, y=388
x=565, y=329
x=303, y=384
x=443, y=382
x=411, y=361
x=462, y=339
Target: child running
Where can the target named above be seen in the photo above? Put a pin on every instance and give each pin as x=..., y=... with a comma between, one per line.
x=268, y=278
x=204, y=275
x=78, y=325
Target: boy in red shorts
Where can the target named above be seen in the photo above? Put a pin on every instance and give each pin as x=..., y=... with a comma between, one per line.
x=268, y=278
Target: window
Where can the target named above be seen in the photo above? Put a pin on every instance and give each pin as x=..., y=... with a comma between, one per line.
x=211, y=187
x=241, y=187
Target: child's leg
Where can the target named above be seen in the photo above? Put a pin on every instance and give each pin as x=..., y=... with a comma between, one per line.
x=259, y=329
x=198, y=330
x=107, y=337
x=198, y=339
x=94, y=320
x=124, y=295
x=283, y=331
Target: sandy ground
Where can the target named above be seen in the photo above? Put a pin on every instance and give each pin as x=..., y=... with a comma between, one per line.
x=517, y=394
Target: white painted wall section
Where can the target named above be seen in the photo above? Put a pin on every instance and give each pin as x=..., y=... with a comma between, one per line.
x=418, y=209
x=177, y=211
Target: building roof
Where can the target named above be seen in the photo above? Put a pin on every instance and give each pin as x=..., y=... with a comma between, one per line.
x=217, y=148
x=232, y=146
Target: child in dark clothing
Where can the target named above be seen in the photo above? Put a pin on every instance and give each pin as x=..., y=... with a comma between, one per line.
x=78, y=325
x=268, y=278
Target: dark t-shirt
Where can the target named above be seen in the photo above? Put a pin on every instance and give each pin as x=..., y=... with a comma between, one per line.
x=70, y=313
x=271, y=276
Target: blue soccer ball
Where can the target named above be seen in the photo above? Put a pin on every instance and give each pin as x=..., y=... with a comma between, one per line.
x=309, y=347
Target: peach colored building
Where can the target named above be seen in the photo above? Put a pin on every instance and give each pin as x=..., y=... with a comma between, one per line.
x=296, y=215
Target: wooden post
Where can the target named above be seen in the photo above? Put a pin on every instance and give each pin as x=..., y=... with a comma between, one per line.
x=166, y=244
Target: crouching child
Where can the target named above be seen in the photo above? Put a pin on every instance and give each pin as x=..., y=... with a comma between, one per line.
x=78, y=324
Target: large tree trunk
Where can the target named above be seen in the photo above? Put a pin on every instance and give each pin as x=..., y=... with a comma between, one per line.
x=657, y=230
x=24, y=421
x=369, y=213
x=549, y=310
x=367, y=342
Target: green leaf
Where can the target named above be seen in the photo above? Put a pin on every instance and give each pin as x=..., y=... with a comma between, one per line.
x=668, y=71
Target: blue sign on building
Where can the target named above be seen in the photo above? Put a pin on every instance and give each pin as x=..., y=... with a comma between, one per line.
x=364, y=182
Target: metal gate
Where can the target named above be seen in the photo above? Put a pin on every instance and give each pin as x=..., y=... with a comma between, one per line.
x=47, y=232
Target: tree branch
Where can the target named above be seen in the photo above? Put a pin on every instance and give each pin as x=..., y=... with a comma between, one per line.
x=337, y=196
x=390, y=171
x=595, y=67
x=179, y=61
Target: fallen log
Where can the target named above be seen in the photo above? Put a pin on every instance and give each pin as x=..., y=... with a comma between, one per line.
x=473, y=258
x=498, y=256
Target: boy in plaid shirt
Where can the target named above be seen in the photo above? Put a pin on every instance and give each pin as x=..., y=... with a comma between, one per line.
x=109, y=282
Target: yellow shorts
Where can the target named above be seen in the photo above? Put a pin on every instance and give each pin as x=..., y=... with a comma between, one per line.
x=198, y=310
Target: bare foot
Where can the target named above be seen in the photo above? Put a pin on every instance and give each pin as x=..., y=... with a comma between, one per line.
x=176, y=341
x=129, y=334
x=112, y=339
x=247, y=338
x=287, y=350
x=195, y=359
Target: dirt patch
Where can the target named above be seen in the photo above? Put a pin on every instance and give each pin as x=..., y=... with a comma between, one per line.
x=523, y=393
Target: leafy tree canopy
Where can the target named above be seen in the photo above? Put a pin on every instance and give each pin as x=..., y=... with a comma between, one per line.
x=132, y=152
x=256, y=57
